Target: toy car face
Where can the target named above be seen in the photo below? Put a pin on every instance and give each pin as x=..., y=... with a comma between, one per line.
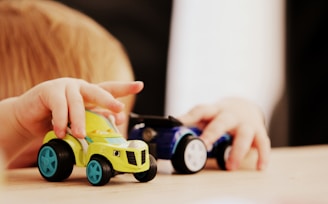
x=104, y=151
x=169, y=139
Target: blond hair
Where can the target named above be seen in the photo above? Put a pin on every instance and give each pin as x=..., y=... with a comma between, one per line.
x=43, y=40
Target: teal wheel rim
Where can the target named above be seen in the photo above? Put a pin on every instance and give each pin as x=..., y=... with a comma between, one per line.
x=94, y=172
x=47, y=161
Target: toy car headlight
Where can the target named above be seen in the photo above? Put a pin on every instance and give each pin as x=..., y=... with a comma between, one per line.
x=135, y=144
x=148, y=134
x=117, y=153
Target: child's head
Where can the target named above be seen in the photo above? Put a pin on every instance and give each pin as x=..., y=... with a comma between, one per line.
x=42, y=40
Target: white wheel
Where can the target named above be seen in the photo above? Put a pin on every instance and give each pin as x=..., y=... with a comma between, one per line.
x=195, y=155
x=190, y=156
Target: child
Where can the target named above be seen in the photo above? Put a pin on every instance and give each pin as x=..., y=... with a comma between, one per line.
x=239, y=117
x=41, y=41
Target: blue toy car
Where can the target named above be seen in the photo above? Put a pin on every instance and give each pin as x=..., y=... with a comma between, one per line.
x=169, y=139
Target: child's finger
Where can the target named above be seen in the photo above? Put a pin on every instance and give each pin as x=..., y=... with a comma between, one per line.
x=96, y=95
x=119, y=117
x=120, y=89
x=57, y=104
x=263, y=145
x=197, y=114
x=76, y=111
x=240, y=146
x=220, y=125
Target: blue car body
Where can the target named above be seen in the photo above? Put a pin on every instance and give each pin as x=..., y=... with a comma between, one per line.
x=167, y=134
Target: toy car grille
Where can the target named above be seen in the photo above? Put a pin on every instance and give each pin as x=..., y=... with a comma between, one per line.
x=131, y=158
x=143, y=156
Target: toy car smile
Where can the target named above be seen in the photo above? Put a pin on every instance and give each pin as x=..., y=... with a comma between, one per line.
x=104, y=152
x=169, y=139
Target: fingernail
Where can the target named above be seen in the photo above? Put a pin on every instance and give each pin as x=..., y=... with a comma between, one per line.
x=230, y=165
x=59, y=133
x=262, y=166
x=79, y=132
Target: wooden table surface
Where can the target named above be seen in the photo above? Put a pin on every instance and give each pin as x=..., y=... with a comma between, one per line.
x=295, y=175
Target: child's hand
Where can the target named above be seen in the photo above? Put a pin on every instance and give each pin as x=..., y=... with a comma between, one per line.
x=242, y=119
x=50, y=105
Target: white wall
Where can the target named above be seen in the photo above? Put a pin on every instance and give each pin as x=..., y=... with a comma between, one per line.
x=223, y=48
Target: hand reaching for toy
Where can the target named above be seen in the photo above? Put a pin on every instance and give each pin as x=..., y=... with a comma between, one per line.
x=242, y=119
x=51, y=104
x=65, y=100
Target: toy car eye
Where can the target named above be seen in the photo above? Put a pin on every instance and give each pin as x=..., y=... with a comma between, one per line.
x=148, y=134
x=117, y=153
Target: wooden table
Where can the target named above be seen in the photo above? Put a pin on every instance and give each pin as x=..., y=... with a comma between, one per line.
x=295, y=175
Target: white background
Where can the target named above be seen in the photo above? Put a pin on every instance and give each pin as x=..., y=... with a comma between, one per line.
x=221, y=48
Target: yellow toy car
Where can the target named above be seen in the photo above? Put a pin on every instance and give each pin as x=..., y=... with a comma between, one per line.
x=104, y=152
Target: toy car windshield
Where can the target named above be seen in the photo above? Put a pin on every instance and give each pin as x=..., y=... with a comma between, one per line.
x=155, y=121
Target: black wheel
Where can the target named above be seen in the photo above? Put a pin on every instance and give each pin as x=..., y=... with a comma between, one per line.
x=150, y=173
x=221, y=151
x=99, y=171
x=190, y=155
x=55, y=160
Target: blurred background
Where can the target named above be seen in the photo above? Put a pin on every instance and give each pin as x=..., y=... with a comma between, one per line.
x=273, y=52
